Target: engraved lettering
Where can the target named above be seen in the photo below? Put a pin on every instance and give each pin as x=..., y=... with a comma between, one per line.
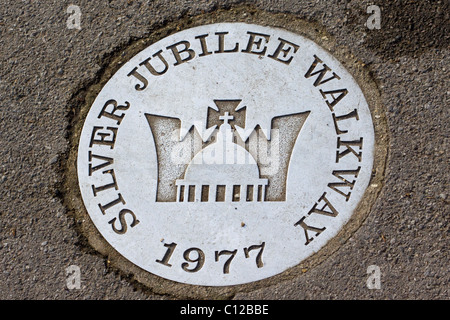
x=113, y=184
x=177, y=52
x=205, y=51
x=150, y=68
x=170, y=249
x=285, y=48
x=108, y=162
x=200, y=260
x=353, y=114
x=259, y=40
x=222, y=44
x=226, y=266
x=345, y=183
x=140, y=77
x=307, y=228
x=348, y=145
x=123, y=224
x=342, y=93
x=100, y=137
x=114, y=108
x=321, y=73
x=332, y=213
x=111, y=204
x=259, y=262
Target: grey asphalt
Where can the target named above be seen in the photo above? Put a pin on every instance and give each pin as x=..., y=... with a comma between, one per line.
x=44, y=64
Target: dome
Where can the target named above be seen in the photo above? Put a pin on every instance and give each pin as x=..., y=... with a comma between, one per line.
x=223, y=164
x=219, y=163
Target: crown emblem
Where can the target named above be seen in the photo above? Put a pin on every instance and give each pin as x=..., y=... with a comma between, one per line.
x=227, y=162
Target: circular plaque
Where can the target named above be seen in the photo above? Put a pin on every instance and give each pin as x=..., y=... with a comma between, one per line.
x=225, y=154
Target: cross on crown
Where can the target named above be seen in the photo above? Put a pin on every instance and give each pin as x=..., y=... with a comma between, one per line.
x=226, y=117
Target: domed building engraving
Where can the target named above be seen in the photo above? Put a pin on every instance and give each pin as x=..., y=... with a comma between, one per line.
x=222, y=172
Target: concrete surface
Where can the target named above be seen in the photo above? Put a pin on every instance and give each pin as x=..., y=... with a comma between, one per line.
x=45, y=64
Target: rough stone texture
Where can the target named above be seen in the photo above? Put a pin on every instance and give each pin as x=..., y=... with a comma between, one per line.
x=44, y=64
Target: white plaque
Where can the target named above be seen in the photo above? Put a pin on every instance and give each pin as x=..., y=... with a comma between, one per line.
x=225, y=154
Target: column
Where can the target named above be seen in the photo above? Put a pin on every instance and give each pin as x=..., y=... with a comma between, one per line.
x=228, y=193
x=255, y=192
x=198, y=193
x=212, y=193
x=186, y=193
x=178, y=193
x=243, y=196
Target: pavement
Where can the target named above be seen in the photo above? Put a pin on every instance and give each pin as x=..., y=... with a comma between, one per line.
x=46, y=66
